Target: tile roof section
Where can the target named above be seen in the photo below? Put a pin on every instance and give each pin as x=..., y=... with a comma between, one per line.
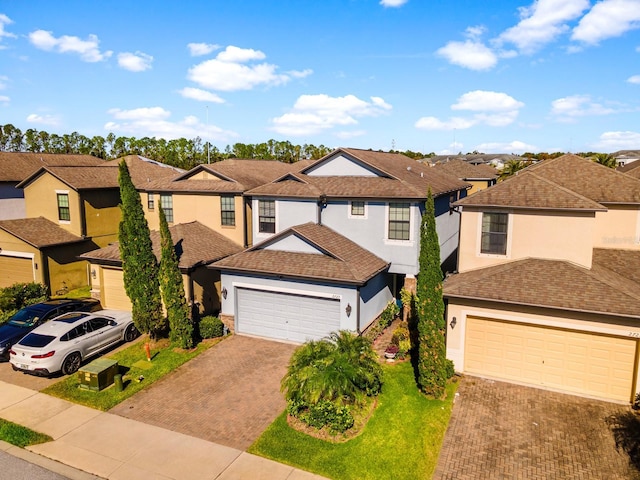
x=343, y=261
x=551, y=284
x=197, y=245
x=590, y=179
x=16, y=166
x=529, y=190
x=403, y=178
x=467, y=171
x=39, y=232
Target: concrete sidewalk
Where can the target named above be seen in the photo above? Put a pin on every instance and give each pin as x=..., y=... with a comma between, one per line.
x=112, y=447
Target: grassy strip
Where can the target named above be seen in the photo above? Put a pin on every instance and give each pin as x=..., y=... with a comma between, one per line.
x=401, y=440
x=20, y=436
x=165, y=359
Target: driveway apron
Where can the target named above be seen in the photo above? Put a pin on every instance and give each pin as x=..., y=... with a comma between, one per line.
x=504, y=431
x=227, y=395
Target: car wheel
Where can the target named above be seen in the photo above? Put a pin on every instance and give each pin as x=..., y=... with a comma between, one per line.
x=131, y=333
x=71, y=364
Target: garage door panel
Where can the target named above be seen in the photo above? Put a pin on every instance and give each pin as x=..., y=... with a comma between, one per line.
x=577, y=362
x=286, y=316
x=15, y=270
x=113, y=293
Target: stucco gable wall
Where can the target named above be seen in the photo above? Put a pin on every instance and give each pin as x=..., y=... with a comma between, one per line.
x=619, y=227
x=41, y=201
x=342, y=166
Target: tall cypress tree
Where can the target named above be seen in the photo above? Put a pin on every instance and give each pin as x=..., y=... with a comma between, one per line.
x=431, y=363
x=172, y=289
x=139, y=264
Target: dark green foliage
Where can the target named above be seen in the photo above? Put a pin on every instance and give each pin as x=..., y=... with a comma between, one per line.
x=139, y=264
x=431, y=349
x=337, y=418
x=450, y=369
x=211, y=327
x=172, y=289
x=386, y=317
x=20, y=295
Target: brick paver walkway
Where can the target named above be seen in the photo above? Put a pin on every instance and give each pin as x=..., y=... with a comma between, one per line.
x=504, y=431
x=227, y=395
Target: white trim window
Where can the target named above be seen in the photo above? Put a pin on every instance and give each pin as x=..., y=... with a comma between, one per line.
x=64, y=211
x=399, y=225
x=228, y=210
x=495, y=228
x=166, y=203
x=151, y=203
x=267, y=216
x=358, y=209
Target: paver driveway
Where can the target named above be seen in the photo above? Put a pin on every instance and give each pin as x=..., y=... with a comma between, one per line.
x=227, y=395
x=504, y=431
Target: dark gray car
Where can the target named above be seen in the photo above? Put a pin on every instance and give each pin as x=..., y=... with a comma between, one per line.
x=28, y=318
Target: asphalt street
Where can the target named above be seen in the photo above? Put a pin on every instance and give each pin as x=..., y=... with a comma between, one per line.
x=17, y=469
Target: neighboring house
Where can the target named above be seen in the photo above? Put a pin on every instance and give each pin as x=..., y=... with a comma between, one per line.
x=375, y=199
x=38, y=250
x=631, y=168
x=303, y=283
x=196, y=247
x=16, y=166
x=548, y=289
x=496, y=160
x=81, y=201
x=479, y=176
x=213, y=195
x=626, y=157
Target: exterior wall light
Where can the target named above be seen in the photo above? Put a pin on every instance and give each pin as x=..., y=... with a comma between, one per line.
x=93, y=273
x=348, y=309
x=453, y=322
x=224, y=293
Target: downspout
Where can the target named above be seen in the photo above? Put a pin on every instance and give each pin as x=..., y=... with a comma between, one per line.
x=83, y=217
x=358, y=311
x=322, y=202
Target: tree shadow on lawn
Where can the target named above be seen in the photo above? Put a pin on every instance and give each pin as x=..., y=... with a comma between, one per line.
x=625, y=428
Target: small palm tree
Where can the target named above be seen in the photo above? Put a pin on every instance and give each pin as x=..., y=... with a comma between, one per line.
x=511, y=168
x=606, y=159
x=342, y=369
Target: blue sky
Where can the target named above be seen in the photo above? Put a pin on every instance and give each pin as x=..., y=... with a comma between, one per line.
x=437, y=76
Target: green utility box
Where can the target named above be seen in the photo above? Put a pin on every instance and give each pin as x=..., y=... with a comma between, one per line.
x=98, y=374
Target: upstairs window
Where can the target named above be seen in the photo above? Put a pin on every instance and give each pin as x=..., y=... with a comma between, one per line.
x=267, y=216
x=399, y=221
x=494, y=233
x=166, y=203
x=151, y=202
x=63, y=207
x=228, y=210
x=357, y=209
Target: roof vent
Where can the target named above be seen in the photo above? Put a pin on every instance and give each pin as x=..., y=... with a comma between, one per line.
x=409, y=168
x=421, y=174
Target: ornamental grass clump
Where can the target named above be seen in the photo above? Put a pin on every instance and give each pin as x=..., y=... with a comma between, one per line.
x=328, y=378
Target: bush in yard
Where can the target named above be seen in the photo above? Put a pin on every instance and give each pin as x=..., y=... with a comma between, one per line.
x=211, y=327
x=386, y=317
x=341, y=370
x=402, y=339
x=20, y=295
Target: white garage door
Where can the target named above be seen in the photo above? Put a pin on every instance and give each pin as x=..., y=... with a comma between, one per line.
x=285, y=316
x=15, y=270
x=113, y=293
x=568, y=360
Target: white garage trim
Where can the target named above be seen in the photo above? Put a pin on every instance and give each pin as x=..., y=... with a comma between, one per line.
x=114, y=296
x=564, y=359
x=292, y=291
x=283, y=315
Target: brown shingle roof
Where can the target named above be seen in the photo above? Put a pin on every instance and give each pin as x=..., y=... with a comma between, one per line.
x=39, y=232
x=340, y=259
x=195, y=245
x=590, y=179
x=16, y=166
x=623, y=262
x=635, y=165
x=144, y=170
x=467, y=171
x=529, y=190
x=549, y=283
x=401, y=177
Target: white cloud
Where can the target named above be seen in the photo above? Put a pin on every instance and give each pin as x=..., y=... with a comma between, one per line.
x=612, y=141
x=154, y=122
x=200, y=95
x=229, y=72
x=393, y=3
x=3, y=82
x=634, y=79
x=4, y=21
x=312, y=114
x=4, y=99
x=512, y=147
x=87, y=49
x=470, y=54
x=198, y=49
x=300, y=73
x=51, y=120
x=541, y=23
x=135, y=62
x=494, y=109
x=569, y=108
x=607, y=19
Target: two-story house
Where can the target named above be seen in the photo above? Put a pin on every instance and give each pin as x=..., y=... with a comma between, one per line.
x=69, y=210
x=358, y=211
x=479, y=176
x=548, y=291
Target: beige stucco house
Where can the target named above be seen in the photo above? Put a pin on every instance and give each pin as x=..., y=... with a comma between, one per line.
x=548, y=285
x=479, y=176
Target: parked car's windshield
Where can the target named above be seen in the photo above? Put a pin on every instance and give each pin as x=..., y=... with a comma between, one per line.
x=36, y=340
x=24, y=318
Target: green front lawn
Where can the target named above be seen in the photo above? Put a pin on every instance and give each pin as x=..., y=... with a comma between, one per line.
x=164, y=361
x=401, y=440
x=20, y=436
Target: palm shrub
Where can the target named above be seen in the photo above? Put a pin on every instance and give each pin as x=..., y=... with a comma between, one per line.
x=327, y=377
